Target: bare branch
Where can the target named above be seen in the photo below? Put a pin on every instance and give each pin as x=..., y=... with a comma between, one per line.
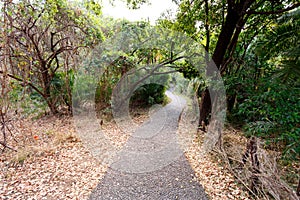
x=21, y=80
x=6, y=146
x=38, y=17
x=44, y=32
x=172, y=60
x=56, y=53
x=54, y=45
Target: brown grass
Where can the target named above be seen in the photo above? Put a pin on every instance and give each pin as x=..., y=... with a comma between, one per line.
x=50, y=162
x=272, y=182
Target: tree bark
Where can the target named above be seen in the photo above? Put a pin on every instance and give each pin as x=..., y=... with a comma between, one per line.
x=224, y=40
x=225, y=36
x=46, y=78
x=234, y=14
x=205, y=107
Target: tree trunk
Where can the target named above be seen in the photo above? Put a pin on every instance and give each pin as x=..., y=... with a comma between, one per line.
x=46, y=78
x=224, y=39
x=230, y=102
x=205, y=107
x=52, y=106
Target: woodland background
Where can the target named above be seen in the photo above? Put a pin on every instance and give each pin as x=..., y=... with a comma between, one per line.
x=254, y=44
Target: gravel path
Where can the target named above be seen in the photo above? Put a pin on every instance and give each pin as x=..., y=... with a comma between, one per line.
x=152, y=165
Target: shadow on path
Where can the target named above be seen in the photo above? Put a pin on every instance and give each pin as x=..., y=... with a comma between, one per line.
x=152, y=165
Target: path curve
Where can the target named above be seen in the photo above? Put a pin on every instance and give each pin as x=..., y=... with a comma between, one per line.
x=152, y=165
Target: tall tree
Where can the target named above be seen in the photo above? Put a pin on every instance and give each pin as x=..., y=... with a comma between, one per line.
x=218, y=26
x=45, y=38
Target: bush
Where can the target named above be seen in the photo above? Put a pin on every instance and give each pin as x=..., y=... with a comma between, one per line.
x=148, y=94
x=271, y=112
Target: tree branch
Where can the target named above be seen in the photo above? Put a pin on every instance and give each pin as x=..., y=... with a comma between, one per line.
x=172, y=61
x=6, y=146
x=56, y=43
x=274, y=11
x=56, y=53
x=44, y=32
x=36, y=46
x=161, y=73
x=35, y=21
x=21, y=80
x=150, y=73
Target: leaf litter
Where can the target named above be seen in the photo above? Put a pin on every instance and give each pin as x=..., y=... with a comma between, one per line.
x=52, y=163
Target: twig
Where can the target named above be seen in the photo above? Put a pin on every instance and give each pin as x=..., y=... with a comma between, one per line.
x=6, y=146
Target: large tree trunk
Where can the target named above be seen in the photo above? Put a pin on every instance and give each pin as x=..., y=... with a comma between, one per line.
x=234, y=14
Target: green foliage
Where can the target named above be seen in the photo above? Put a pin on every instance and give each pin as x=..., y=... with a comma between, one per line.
x=82, y=91
x=268, y=107
x=263, y=83
x=135, y=4
x=46, y=38
x=26, y=101
x=93, y=6
x=281, y=45
x=148, y=95
x=188, y=70
x=272, y=112
x=62, y=84
x=138, y=61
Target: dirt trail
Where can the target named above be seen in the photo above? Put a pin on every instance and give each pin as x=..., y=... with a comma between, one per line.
x=152, y=165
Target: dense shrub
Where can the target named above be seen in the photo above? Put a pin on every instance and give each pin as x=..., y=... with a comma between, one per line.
x=271, y=111
x=148, y=94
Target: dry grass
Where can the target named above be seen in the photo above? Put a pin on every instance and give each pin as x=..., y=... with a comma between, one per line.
x=220, y=171
x=217, y=181
x=271, y=183
x=50, y=163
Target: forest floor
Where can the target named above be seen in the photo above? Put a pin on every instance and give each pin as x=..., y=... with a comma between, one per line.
x=52, y=163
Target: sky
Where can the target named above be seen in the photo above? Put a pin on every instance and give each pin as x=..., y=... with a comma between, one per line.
x=151, y=12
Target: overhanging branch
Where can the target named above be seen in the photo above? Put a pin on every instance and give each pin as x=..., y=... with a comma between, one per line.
x=274, y=11
x=168, y=72
x=21, y=80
